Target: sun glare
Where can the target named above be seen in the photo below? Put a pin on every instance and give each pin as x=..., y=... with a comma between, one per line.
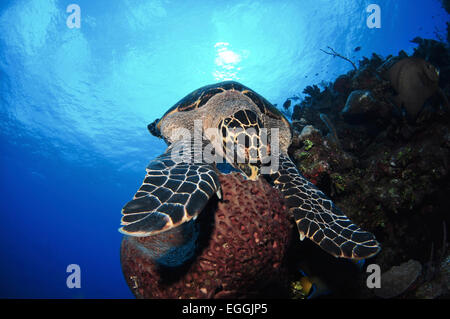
x=226, y=62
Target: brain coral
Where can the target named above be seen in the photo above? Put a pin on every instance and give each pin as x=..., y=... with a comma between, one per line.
x=237, y=248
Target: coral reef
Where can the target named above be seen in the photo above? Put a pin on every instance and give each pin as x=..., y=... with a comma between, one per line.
x=360, y=106
x=240, y=250
x=342, y=85
x=388, y=174
x=446, y=5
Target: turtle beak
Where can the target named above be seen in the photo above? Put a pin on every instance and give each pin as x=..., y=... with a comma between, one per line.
x=152, y=128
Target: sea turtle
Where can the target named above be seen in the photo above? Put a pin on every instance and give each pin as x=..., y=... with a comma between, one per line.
x=177, y=188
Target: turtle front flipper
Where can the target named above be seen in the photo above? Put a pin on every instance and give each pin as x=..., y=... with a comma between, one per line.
x=319, y=219
x=175, y=190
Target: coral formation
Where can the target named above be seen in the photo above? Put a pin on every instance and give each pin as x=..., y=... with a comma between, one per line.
x=342, y=85
x=390, y=175
x=239, y=253
x=332, y=135
x=360, y=105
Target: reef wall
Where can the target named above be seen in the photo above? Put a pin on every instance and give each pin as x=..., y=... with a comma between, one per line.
x=377, y=141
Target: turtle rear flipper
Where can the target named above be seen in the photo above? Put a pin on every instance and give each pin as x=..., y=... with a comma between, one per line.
x=318, y=219
x=174, y=191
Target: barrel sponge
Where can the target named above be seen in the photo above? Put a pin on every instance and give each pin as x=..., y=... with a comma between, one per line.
x=239, y=247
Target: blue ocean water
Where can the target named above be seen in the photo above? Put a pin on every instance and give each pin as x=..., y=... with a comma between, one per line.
x=75, y=102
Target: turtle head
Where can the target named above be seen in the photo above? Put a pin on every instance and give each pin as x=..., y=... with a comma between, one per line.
x=153, y=128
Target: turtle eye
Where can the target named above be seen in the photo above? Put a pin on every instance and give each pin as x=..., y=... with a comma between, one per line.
x=152, y=128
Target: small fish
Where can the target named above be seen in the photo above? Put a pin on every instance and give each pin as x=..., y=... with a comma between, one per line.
x=287, y=104
x=357, y=49
x=311, y=287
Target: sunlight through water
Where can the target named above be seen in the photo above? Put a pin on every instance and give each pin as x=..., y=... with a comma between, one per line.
x=227, y=62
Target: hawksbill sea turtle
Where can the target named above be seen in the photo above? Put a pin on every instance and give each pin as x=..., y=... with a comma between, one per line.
x=174, y=192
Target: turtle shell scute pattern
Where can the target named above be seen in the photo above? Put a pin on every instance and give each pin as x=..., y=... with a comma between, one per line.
x=201, y=96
